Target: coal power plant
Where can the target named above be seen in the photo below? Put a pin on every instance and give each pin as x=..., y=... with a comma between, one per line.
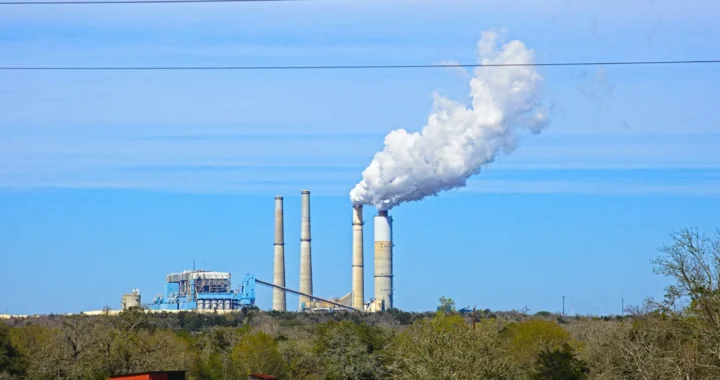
x=457, y=141
x=203, y=290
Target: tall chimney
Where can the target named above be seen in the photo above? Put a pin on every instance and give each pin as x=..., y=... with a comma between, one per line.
x=383, y=259
x=279, y=303
x=358, y=282
x=305, y=253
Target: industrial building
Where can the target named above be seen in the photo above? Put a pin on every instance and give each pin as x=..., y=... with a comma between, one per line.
x=202, y=290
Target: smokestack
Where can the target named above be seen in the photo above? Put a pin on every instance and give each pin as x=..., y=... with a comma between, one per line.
x=383, y=259
x=279, y=303
x=358, y=282
x=306, y=285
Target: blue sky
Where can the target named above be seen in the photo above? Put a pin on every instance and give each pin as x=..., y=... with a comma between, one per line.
x=110, y=180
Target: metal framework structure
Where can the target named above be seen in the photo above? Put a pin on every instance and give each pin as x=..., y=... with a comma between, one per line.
x=261, y=282
x=205, y=290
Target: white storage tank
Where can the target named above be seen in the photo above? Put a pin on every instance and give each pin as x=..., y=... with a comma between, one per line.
x=131, y=299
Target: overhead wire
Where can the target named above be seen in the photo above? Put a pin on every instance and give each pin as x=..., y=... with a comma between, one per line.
x=358, y=67
x=312, y=67
x=94, y=2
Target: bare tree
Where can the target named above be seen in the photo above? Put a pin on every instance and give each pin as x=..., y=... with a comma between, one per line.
x=693, y=260
x=676, y=338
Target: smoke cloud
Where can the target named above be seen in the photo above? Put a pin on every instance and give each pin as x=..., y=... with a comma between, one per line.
x=459, y=140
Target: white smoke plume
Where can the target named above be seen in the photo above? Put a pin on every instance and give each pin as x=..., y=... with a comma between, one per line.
x=459, y=140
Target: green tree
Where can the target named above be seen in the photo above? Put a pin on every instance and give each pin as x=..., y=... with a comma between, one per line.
x=12, y=363
x=528, y=338
x=258, y=352
x=560, y=364
x=299, y=359
x=445, y=347
x=131, y=319
x=150, y=351
x=349, y=350
x=345, y=356
x=213, y=353
x=75, y=349
x=36, y=344
x=447, y=305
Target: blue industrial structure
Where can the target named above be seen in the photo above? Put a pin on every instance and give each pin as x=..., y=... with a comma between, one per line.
x=204, y=290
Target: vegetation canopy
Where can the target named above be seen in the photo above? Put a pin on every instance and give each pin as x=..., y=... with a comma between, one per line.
x=677, y=337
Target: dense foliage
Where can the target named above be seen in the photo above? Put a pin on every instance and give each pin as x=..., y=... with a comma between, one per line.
x=676, y=338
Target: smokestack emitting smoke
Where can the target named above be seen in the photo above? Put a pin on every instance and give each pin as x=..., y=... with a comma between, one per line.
x=358, y=285
x=305, y=253
x=383, y=259
x=279, y=261
x=458, y=141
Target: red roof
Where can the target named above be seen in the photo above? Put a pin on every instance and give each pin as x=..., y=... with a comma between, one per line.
x=152, y=375
x=263, y=376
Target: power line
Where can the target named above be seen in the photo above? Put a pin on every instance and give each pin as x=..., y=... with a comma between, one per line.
x=81, y=2
x=355, y=67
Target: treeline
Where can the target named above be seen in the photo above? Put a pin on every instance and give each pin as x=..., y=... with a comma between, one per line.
x=675, y=338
